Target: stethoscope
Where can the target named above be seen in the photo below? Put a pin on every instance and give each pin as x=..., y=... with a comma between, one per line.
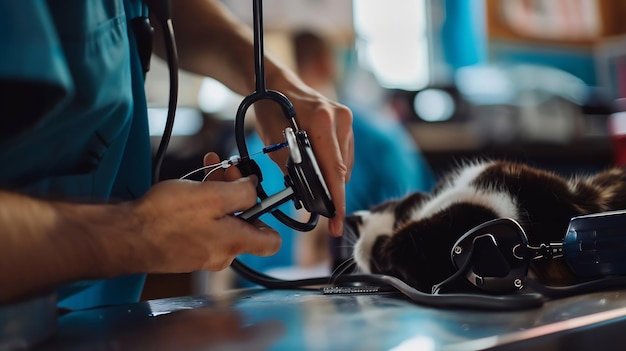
x=306, y=187
x=304, y=183
x=322, y=205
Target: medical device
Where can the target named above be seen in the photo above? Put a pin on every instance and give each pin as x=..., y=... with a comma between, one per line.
x=593, y=245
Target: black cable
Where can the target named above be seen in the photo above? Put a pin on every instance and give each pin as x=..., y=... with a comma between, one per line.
x=172, y=62
x=458, y=274
x=577, y=289
x=450, y=301
x=259, y=55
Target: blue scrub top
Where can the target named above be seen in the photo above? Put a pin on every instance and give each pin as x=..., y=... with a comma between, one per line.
x=91, y=143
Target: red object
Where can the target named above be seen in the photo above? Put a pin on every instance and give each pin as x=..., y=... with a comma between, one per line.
x=617, y=129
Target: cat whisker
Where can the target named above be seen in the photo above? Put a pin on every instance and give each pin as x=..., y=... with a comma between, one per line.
x=351, y=246
x=351, y=239
x=341, y=269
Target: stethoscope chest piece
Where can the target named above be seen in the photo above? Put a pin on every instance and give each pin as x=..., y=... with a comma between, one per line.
x=495, y=255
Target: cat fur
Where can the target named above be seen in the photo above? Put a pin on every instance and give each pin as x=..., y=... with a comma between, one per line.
x=411, y=237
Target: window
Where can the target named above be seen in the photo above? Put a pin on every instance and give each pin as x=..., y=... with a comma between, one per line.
x=392, y=41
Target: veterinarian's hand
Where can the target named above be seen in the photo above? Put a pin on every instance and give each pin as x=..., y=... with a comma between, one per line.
x=329, y=128
x=188, y=226
x=177, y=226
x=205, y=27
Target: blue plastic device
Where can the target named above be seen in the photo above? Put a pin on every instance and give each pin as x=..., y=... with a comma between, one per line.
x=595, y=244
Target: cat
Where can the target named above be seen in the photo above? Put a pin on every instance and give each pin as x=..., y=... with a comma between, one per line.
x=411, y=237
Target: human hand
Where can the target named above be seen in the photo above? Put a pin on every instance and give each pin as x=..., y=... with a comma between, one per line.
x=214, y=43
x=188, y=225
x=329, y=128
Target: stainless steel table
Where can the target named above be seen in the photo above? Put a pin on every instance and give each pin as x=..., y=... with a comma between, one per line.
x=261, y=319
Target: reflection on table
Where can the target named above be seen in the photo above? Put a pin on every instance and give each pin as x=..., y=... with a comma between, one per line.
x=260, y=319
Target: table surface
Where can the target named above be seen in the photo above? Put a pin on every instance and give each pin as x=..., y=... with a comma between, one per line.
x=260, y=319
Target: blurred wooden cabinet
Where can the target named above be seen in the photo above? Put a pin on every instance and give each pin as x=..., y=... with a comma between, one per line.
x=582, y=37
x=578, y=22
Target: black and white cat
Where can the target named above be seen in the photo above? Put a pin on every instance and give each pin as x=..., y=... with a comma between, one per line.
x=411, y=238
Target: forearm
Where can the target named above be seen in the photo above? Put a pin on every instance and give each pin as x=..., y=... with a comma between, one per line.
x=212, y=42
x=45, y=243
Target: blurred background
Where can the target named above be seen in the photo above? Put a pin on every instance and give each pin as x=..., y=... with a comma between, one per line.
x=535, y=81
